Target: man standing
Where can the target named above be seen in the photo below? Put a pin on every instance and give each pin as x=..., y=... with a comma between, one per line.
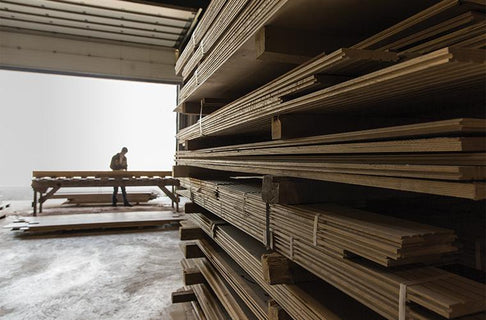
x=119, y=162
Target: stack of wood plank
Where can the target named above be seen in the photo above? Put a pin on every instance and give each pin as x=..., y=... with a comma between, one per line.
x=303, y=300
x=225, y=36
x=441, y=157
x=395, y=108
x=239, y=203
x=104, y=198
x=419, y=78
x=384, y=240
x=431, y=288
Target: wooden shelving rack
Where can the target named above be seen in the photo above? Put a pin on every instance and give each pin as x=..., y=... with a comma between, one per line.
x=335, y=159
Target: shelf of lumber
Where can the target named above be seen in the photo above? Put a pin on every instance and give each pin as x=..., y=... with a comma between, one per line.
x=327, y=174
x=385, y=240
x=420, y=78
x=220, y=61
x=452, y=296
x=440, y=157
x=304, y=300
x=397, y=180
x=418, y=132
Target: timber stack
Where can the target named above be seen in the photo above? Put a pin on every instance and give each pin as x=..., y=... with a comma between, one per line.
x=334, y=155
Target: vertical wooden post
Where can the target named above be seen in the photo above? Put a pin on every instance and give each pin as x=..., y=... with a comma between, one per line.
x=172, y=201
x=34, y=203
x=40, y=202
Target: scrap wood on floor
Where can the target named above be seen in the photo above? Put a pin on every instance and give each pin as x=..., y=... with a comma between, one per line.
x=93, y=221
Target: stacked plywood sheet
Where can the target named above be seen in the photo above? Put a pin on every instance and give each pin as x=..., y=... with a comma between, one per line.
x=400, y=109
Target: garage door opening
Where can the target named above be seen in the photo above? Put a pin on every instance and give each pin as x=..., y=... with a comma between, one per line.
x=56, y=122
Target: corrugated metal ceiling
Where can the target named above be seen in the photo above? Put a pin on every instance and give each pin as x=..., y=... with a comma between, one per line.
x=113, y=20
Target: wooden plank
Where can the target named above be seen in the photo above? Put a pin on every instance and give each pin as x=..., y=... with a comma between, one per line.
x=248, y=291
x=233, y=304
x=205, y=107
x=209, y=303
x=100, y=174
x=41, y=184
x=90, y=198
x=409, y=25
x=454, y=144
x=94, y=221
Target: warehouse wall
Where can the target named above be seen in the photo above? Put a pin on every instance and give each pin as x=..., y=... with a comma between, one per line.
x=36, y=52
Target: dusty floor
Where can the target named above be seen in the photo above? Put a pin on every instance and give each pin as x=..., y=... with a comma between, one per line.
x=126, y=275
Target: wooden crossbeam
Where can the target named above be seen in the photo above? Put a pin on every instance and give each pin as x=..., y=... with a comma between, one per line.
x=183, y=296
x=285, y=190
x=191, y=275
x=42, y=184
x=286, y=45
x=189, y=231
x=47, y=196
x=191, y=250
x=171, y=195
x=276, y=269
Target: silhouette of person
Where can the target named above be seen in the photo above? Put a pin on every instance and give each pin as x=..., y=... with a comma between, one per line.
x=119, y=162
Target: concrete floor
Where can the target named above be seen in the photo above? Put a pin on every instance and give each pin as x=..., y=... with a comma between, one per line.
x=104, y=276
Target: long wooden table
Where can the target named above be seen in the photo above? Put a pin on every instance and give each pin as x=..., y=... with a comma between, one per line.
x=46, y=183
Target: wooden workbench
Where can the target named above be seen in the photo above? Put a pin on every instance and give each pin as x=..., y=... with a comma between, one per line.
x=46, y=183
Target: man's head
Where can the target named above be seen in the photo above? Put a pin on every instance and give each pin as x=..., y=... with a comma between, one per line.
x=124, y=150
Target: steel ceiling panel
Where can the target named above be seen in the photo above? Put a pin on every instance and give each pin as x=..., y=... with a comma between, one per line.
x=109, y=19
x=56, y=14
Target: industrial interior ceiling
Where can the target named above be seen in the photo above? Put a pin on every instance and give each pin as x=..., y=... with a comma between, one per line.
x=101, y=37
